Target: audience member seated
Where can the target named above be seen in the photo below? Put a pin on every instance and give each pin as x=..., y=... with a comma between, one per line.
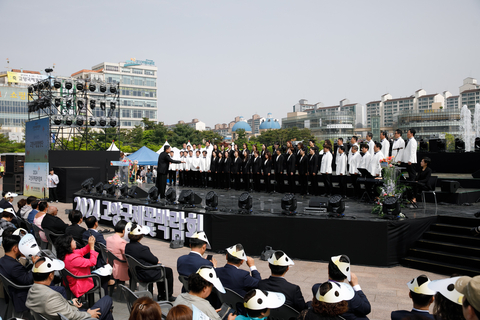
x=201, y=285
x=339, y=269
x=447, y=300
x=20, y=204
x=77, y=264
x=6, y=220
x=143, y=255
x=233, y=277
x=422, y=298
x=47, y=302
x=470, y=288
x=279, y=264
x=92, y=225
x=52, y=222
x=258, y=304
x=34, y=211
x=145, y=308
x=180, y=312
x=76, y=218
x=329, y=302
x=27, y=208
x=190, y=263
x=42, y=211
x=116, y=245
x=7, y=200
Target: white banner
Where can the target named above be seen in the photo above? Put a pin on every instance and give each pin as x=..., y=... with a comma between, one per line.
x=35, y=179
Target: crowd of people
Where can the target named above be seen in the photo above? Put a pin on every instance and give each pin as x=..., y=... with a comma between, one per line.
x=338, y=297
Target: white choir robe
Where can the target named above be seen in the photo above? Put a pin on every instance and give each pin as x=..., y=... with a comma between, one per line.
x=386, y=147
x=326, y=166
x=350, y=151
x=371, y=144
x=397, y=149
x=195, y=163
x=375, y=168
x=188, y=164
x=341, y=162
x=204, y=166
x=365, y=162
x=410, y=154
x=354, y=163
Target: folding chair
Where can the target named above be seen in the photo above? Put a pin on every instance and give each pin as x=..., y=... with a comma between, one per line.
x=133, y=264
x=432, y=183
x=232, y=299
x=91, y=293
x=7, y=286
x=51, y=237
x=36, y=232
x=283, y=313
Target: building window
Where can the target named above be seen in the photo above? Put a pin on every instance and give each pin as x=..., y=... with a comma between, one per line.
x=149, y=72
x=126, y=70
x=137, y=114
x=137, y=71
x=126, y=113
x=111, y=68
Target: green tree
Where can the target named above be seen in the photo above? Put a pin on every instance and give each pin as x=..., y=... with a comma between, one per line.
x=211, y=136
x=241, y=137
x=9, y=146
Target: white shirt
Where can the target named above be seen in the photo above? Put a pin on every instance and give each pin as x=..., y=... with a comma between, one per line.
x=386, y=147
x=350, y=151
x=195, y=163
x=365, y=161
x=188, y=163
x=341, y=162
x=398, y=154
x=410, y=154
x=52, y=181
x=375, y=168
x=355, y=161
x=326, y=166
x=371, y=144
x=203, y=164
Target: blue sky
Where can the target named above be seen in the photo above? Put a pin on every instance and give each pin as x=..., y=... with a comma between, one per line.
x=218, y=59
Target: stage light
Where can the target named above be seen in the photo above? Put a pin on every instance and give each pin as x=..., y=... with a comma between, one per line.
x=87, y=185
x=459, y=145
x=32, y=106
x=80, y=84
x=93, y=103
x=109, y=189
x=43, y=103
x=103, y=87
x=336, y=204
x=46, y=84
x=81, y=103
x=113, y=88
x=391, y=206
x=57, y=119
x=441, y=145
x=30, y=89
x=123, y=191
x=132, y=192
x=99, y=188
x=92, y=87
x=68, y=102
x=40, y=86
x=103, y=121
x=289, y=204
x=171, y=196
x=68, y=120
x=57, y=84
x=58, y=102
x=93, y=121
x=112, y=105
x=477, y=144
x=48, y=70
x=423, y=146
x=80, y=121
x=245, y=203
x=68, y=84
x=113, y=122
x=187, y=197
x=103, y=104
x=152, y=195
x=211, y=201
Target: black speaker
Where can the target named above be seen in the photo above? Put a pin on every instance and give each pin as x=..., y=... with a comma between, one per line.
x=318, y=202
x=476, y=174
x=437, y=145
x=450, y=186
x=198, y=199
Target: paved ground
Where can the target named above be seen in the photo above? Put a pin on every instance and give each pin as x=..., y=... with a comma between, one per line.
x=385, y=287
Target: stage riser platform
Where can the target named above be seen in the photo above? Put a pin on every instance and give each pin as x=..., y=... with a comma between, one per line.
x=455, y=198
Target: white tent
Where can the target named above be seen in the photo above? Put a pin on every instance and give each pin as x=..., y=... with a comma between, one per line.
x=113, y=147
x=163, y=147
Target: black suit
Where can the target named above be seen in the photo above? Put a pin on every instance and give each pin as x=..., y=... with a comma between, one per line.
x=98, y=238
x=247, y=168
x=279, y=168
x=312, y=173
x=164, y=161
x=302, y=173
x=227, y=167
x=256, y=172
x=292, y=292
x=54, y=224
x=237, y=172
x=267, y=170
x=143, y=255
x=77, y=233
x=404, y=314
x=291, y=161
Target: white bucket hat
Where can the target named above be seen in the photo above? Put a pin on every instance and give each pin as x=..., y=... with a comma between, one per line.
x=10, y=210
x=139, y=229
x=28, y=246
x=240, y=254
x=208, y=273
x=49, y=266
x=283, y=261
x=265, y=299
x=339, y=292
x=422, y=289
x=344, y=267
x=201, y=236
x=128, y=228
x=446, y=287
x=11, y=195
x=20, y=232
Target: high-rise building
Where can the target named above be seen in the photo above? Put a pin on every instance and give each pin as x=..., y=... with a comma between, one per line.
x=138, y=88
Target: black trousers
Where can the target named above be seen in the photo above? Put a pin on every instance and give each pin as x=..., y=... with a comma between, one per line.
x=291, y=182
x=266, y=180
x=105, y=304
x=356, y=187
x=172, y=177
x=313, y=184
x=280, y=179
x=246, y=181
x=52, y=192
x=343, y=184
x=327, y=182
x=227, y=180
x=236, y=179
x=412, y=173
x=303, y=179
x=161, y=184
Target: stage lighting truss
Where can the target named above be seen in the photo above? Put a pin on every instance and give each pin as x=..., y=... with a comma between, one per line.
x=57, y=120
x=171, y=196
x=245, y=203
x=68, y=120
x=289, y=204
x=211, y=201
x=80, y=121
x=80, y=103
x=152, y=195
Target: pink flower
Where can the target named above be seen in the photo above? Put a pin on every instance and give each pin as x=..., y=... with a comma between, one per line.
x=391, y=165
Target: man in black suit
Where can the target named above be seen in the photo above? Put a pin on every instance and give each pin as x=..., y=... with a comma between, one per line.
x=279, y=264
x=422, y=298
x=164, y=161
x=339, y=270
x=52, y=222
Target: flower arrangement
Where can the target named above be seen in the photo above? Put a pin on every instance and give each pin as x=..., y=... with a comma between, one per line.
x=116, y=181
x=391, y=187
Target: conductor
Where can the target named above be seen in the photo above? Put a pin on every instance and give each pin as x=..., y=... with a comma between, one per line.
x=162, y=170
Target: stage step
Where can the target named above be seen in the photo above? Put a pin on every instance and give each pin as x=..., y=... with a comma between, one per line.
x=448, y=247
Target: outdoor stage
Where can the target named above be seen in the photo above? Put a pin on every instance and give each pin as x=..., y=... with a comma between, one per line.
x=364, y=237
